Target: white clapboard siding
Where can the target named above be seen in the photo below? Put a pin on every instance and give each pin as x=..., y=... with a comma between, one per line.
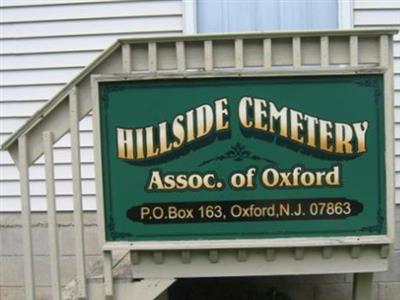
x=19, y=108
x=61, y=155
x=396, y=46
x=89, y=27
x=3, y=137
x=379, y=13
x=28, y=93
x=10, y=124
x=86, y=140
x=44, y=45
x=397, y=180
x=376, y=4
x=61, y=171
x=396, y=63
x=39, y=203
x=30, y=77
x=70, y=43
x=48, y=60
x=38, y=187
x=397, y=80
x=29, y=3
x=85, y=11
x=386, y=17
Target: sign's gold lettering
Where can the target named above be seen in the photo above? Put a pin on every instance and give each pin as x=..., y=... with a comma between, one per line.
x=254, y=115
x=191, y=181
x=153, y=141
x=299, y=177
x=299, y=127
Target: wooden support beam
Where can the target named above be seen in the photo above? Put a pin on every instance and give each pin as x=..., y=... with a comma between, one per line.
x=126, y=58
x=383, y=51
x=152, y=64
x=239, y=53
x=362, y=286
x=77, y=193
x=296, y=45
x=324, y=51
x=213, y=256
x=270, y=254
x=267, y=50
x=135, y=257
x=180, y=56
x=355, y=252
x=384, y=253
x=186, y=256
x=327, y=252
x=108, y=275
x=26, y=218
x=158, y=257
x=299, y=253
x=353, y=51
x=242, y=255
x=208, y=56
x=51, y=215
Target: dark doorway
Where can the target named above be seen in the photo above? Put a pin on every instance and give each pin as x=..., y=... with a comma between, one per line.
x=238, y=288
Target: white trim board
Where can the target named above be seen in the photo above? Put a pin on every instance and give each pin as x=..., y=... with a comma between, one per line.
x=345, y=14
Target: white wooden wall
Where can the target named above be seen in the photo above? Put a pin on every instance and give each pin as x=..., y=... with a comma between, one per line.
x=370, y=13
x=43, y=45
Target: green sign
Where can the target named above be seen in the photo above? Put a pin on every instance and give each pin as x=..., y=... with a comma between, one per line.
x=238, y=158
